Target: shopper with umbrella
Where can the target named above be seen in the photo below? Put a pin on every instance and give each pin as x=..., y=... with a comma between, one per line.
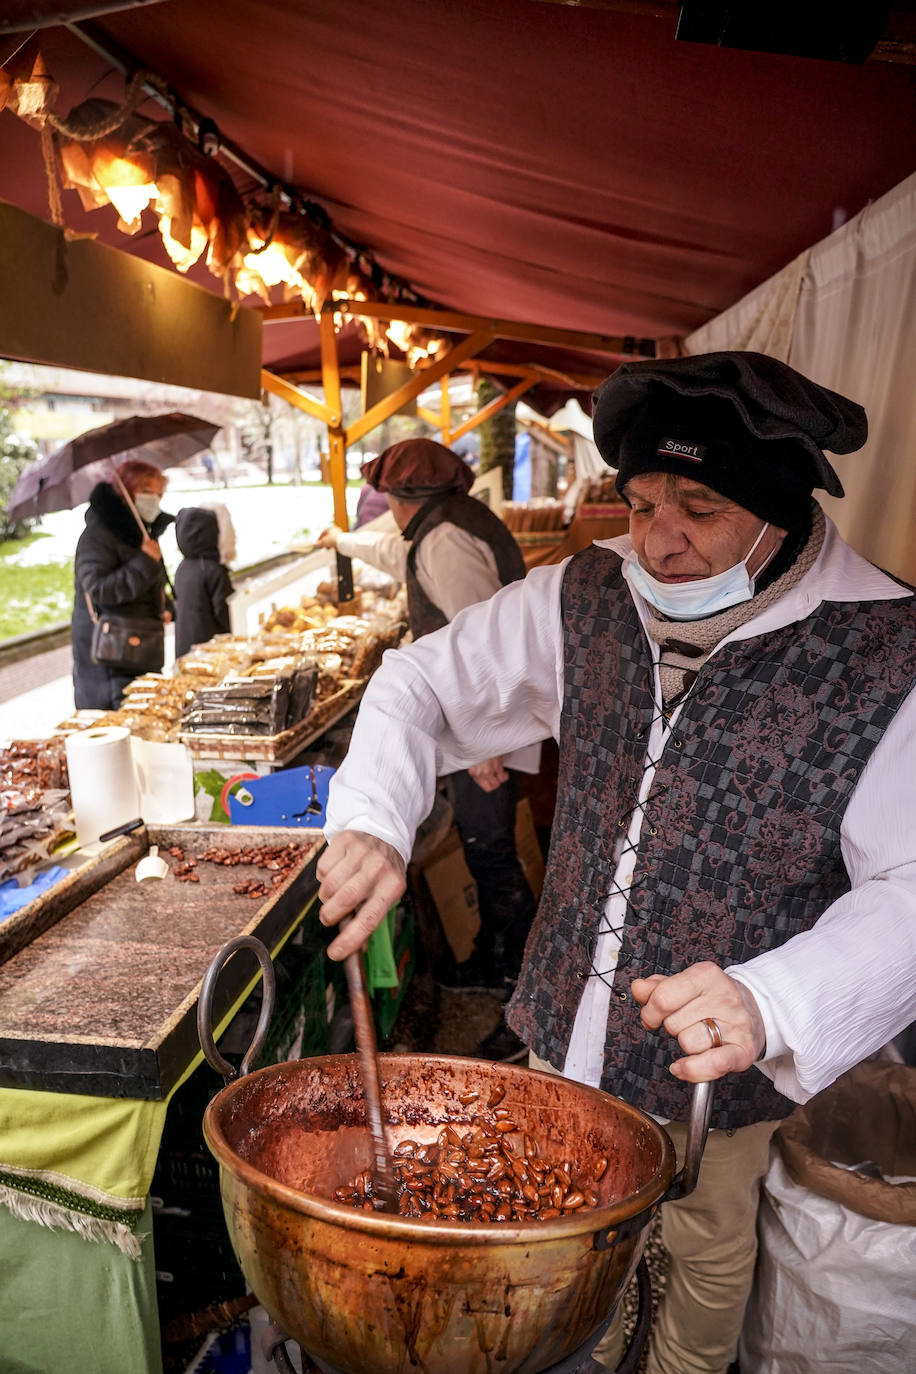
x=120, y=584
x=120, y=607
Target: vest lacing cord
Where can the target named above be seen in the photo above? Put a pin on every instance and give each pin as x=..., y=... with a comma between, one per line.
x=605, y=925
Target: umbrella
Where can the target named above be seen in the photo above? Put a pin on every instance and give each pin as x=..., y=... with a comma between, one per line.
x=66, y=477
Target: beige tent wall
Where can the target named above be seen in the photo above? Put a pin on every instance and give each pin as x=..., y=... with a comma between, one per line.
x=844, y=313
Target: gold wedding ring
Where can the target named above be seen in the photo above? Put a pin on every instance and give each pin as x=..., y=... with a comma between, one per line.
x=715, y=1034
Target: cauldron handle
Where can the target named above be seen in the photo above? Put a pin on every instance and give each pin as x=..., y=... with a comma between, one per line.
x=697, y=1131
x=205, y=1006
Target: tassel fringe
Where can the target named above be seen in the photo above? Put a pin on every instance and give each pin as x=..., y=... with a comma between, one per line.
x=58, y=1218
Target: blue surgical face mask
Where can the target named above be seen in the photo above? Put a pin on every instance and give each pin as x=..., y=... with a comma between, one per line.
x=705, y=596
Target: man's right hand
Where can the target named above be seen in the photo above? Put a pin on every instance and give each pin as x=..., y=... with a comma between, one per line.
x=361, y=876
x=151, y=548
x=328, y=538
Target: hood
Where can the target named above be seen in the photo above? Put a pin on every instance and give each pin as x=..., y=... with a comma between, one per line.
x=197, y=532
x=106, y=504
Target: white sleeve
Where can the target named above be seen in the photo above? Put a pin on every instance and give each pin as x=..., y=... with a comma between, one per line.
x=385, y=551
x=488, y=683
x=835, y=994
x=455, y=569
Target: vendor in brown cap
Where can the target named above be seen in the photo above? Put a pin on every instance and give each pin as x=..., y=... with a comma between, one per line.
x=732, y=869
x=452, y=552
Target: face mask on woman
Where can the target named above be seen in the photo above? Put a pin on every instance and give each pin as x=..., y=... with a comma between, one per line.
x=148, y=505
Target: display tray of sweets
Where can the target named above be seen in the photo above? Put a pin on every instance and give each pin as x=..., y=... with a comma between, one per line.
x=535, y=516
x=597, y=510
x=151, y=709
x=35, y=814
x=285, y=746
x=263, y=699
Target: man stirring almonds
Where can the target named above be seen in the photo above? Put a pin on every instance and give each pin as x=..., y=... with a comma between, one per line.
x=732, y=856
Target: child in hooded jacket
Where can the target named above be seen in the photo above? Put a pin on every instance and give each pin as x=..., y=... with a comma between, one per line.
x=202, y=582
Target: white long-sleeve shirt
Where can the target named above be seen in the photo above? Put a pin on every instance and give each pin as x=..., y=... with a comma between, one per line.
x=492, y=681
x=455, y=570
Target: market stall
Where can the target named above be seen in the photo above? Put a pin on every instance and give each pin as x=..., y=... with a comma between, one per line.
x=264, y=696
x=553, y=231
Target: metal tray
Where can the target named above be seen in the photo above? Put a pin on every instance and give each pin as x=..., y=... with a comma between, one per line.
x=99, y=987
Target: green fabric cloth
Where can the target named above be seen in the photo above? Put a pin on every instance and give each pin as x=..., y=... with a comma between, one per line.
x=69, y=1304
x=70, y=1307
x=85, y=1154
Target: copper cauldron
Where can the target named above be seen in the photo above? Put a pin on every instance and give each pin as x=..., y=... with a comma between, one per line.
x=372, y=1293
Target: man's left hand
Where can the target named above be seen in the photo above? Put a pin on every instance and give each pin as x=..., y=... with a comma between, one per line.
x=682, y=1002
x=490, y=774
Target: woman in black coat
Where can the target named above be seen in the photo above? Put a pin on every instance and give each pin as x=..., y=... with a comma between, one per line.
x=119, y=569
x=202, y=582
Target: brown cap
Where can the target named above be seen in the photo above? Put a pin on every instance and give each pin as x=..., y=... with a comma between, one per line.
x=415, y=469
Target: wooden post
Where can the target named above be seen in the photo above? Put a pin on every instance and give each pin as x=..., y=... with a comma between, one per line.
x=446, y=411
x=337, y=446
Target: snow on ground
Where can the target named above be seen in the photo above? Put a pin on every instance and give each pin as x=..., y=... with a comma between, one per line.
x=266, y=519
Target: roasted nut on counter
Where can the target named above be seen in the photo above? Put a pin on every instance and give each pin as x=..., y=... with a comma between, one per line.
x=478, y=1175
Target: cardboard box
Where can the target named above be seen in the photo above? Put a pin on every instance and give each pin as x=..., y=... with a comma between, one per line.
x=454, y=895
x=529, y=847
x=454, y=891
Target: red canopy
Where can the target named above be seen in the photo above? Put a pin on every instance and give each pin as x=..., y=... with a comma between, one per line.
x=571, y=166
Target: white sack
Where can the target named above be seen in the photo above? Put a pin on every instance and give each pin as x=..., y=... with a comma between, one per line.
x=834, y=1293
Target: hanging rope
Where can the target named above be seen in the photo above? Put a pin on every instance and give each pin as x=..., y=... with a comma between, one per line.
x=49, y=154
x=106, y=124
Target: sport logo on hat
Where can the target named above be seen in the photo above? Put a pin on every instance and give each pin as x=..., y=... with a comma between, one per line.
x=673, y=448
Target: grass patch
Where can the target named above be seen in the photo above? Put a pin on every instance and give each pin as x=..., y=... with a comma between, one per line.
x=33, y=598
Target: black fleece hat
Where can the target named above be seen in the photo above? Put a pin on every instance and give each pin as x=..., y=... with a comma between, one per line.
x=743, y=424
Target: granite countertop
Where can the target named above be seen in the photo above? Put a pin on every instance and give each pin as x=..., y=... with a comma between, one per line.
x=104, y=1001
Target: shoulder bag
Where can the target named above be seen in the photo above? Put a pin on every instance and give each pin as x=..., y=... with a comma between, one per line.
x=135, y=643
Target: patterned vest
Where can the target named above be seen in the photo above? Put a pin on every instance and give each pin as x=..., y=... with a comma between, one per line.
x=478, y=520
x=739, y=848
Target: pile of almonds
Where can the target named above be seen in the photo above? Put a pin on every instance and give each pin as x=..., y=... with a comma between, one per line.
x=479, y=1175
x=278, y=860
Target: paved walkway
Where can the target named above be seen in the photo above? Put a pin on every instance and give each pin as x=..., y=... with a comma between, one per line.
x=28, y=673
x=35, y=695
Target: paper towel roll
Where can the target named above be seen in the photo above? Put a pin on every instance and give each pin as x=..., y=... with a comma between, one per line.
x=102, y=784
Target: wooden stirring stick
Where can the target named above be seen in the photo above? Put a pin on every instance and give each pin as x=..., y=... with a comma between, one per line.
x=364, y=1027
